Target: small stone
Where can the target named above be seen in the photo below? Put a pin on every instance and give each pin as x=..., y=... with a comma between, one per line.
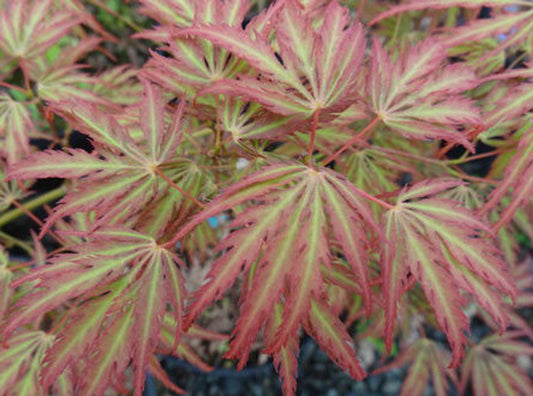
x=332, y=392
x=392, y=387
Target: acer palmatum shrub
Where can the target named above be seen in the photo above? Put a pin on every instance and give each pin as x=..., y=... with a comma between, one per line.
x=325, y=132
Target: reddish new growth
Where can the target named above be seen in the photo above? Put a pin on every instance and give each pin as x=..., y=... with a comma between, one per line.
x=339, y=144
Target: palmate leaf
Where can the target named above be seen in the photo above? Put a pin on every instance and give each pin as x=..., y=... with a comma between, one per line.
x=29, y=27
x=441, y=245
x=119, y=85
x=516, y=24
x=516, y=102
x=523, y=278
x=20, y=361
x=427, y=362
x=6, y=277
x=414, y=5
x=60, y=84
x=245, y=120
x=194, y=64
x=492, y=370
x=121, y=283
x=310, y=77
x=179, y=12
x=281, y=242
x=123, y=174
x=9, y=190
x=185, y=72
x=373, y=171
x=184, y=13
x=285, y=360
x=15, y=127
x=419, y=96
x=518, y=177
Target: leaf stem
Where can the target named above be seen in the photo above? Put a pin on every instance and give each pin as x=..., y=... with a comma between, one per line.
x=314, y=127
x=11, y=86
x=471, y=134
x=27, y=212
x=406, y=154
x=462, y=160
x=372, y=198
x=458, y=173
x=333, y=156
x=181, y=190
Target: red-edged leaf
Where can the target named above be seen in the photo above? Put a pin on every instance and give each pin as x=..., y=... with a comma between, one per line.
x=414, y=5
x=518, y=177
x=15, y=127
x=328, y=331
x=286, y=359
x=20, y=362
x=441, y=245
x=426, y=358
x=284, y=239
x=116, y=269
x=28, y=28
x=331, y=80
x=491, y=367
x=420, y=98
x=121, y=173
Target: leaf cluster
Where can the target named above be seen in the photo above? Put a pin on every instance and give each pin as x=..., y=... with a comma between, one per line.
x=313, y=158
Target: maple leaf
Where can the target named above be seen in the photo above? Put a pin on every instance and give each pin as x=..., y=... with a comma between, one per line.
x=6, y=276
x=20, y=362
x=518, y=176
x=9, y=191
x=511, y=17
x=184, y=13
x=119, y=85
x=426, y=359
x=121, y=282
x=374, y=171
x=124, y=174
x=60, y=79
x=302, y=83
x=15, y=126
x=440, y=244
x=523, y=278
x=87, y=18
x=193, y=64
x=245, y=120
x=516, y=101
x=281, y=242
x=285, y=360
x=64, y=83
x=414, y=5
x=29, y=28
x=418, y=96
x=491, y=367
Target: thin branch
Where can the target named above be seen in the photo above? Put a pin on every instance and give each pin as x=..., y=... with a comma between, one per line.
x=375, y=199
x=35, y=219
x=181, y=190
x=352, y=141
x=314, y=126
x=476, y=157
x=13, y=87
x=470, y=134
